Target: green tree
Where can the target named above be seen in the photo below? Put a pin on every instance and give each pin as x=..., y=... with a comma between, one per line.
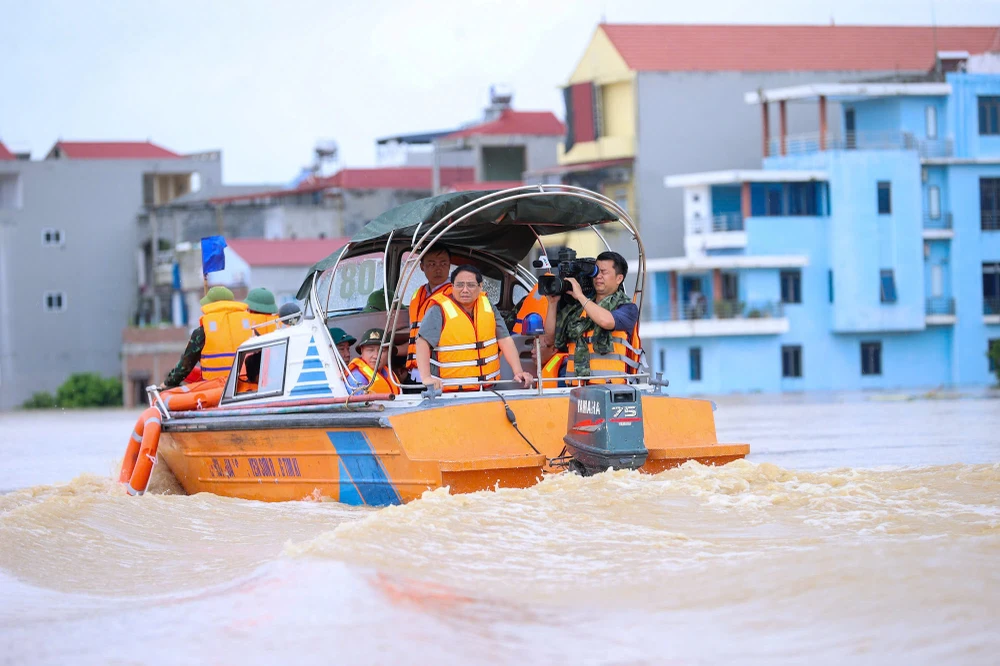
x=89, y=389
x=40, y=400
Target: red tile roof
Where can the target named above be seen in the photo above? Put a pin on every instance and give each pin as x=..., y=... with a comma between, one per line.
x=774, y=48
x=535, y=123
x=285, y=252
x=4, y=153
x=113, y=150
x=390, y=178
x=472, y=186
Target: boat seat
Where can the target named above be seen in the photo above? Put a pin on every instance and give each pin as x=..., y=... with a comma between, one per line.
x=523, y=344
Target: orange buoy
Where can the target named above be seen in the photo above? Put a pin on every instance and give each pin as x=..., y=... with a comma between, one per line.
x=140, y=455
x=198, y=395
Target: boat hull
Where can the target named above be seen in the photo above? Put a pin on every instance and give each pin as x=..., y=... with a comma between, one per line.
x=393, y=456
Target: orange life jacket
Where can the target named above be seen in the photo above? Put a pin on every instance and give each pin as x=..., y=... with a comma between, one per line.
x=227, y=326
x=418, y=307
x=258, y=318
x=468, y=347
x=382, y=382
x=550, y=370
x=533, y=302
x=622, y=359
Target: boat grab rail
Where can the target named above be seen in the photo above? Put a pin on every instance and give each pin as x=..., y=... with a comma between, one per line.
x=489, y=386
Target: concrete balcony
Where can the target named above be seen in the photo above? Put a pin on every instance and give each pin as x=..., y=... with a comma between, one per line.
x=722, y=318
x=938, y=228
x=940, y=311
x=991, y=310
x=724, y=231
x=814, y=142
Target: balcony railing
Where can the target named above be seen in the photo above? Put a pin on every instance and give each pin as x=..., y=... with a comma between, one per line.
x=940, y=306
x=727, y=310
x=718, y=223
x=875, y=140
x=991, y=306
x=942, y=221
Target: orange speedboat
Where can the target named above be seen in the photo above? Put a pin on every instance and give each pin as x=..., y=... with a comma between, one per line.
x=300, y=431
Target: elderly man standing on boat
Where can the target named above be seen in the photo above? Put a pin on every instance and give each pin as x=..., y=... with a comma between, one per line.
x=435, y=265
x=461, y=338
x=599, y=333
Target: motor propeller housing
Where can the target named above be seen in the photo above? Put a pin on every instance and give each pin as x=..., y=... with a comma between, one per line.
x=605, y=429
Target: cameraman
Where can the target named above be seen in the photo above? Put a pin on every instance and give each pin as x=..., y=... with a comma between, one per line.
x=596, y=332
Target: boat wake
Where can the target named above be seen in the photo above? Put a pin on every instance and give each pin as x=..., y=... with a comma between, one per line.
x=756, y=548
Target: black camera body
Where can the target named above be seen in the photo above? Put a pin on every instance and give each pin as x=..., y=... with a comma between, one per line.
x=582, y=270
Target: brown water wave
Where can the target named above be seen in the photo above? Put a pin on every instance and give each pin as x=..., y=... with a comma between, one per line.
x=90, y=536
x=619, y=535
x=849, y=562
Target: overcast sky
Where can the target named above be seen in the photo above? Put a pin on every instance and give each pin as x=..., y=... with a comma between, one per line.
x=262, y=81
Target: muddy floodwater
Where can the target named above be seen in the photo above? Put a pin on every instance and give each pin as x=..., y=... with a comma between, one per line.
x=862, y=529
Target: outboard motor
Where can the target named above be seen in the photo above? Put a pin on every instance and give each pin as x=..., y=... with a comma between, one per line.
x=605, y=429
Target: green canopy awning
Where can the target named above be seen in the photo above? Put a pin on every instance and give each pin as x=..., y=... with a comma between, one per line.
x=506, y=230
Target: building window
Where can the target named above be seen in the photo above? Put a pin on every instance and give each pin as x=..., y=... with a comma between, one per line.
x=871, y=358
x=791, y=286
x=599, y=129
x=934, y=202
x=621, y=200
x=989, y=203
x=694, y=353
x=730, y=287
x=937, y=281
x=887, y=285
x=772, y=201
x=52, y=237
x=884, y=197
x=931, y=114
x=791, y=361
x=54, y=301
x=989, y=115
x=992, y=344
x=991, y=288
x=829, y=284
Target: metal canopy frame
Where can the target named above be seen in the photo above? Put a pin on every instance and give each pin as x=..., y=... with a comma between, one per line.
x=423, y=239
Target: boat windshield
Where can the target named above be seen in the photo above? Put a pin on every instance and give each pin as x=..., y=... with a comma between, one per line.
x=355, y=280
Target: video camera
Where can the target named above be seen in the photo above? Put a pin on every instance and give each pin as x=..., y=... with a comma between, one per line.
x=583, y=270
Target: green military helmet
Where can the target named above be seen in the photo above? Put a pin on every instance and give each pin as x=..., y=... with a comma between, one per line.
x=261, y=300
x=373, y=336
x=216, y=294
x=340, y=335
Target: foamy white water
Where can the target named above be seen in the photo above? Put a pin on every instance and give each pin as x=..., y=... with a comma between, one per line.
x=859, y=531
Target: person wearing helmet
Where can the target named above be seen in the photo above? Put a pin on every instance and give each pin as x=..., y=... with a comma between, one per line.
x=363, y=369
x=219, y=336
x=342, y=340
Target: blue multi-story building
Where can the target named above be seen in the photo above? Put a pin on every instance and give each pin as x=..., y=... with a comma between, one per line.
x=863, y=255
